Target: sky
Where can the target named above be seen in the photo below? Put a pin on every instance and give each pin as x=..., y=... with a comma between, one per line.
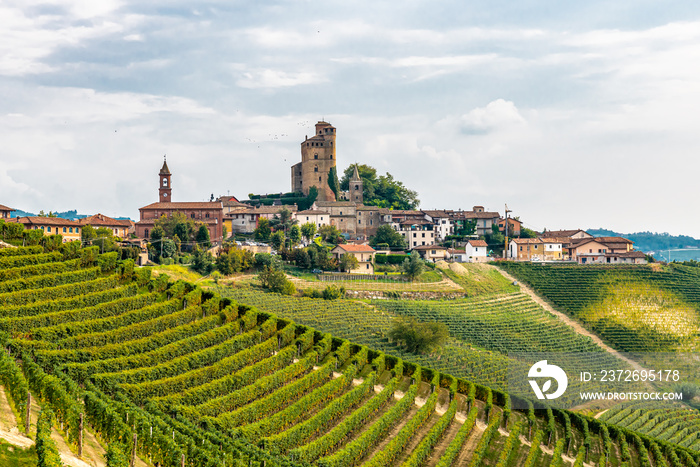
x=574, y=114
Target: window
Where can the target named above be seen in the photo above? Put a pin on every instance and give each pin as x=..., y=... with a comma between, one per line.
x=319, y=179
x=70, y=230
x=341, y=213
x=367, y=266
x=371, y=222
x=331, y=156
x=48, y=228
x=145, y=233
x=521, y=248
x=165, y=182
x=357, y=187
x=64, y=230
x=423, y=235
x=359, y=221
x=192, y=215
x=307, y=218
x=315, y=156
x=315, y=168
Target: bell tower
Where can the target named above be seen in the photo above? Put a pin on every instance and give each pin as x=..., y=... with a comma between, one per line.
x=165, y=190
x=355, y=189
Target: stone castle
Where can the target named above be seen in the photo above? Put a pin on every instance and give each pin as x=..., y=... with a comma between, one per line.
x=317, y=159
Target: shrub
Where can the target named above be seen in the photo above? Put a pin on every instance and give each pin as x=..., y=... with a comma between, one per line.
x=418, y=337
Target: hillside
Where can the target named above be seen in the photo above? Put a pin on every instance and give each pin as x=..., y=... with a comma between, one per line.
x=658, y=244
x=188, y=377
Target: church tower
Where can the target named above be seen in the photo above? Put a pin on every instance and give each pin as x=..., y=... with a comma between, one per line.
x=355, y=188
x=317, y=159
x=165, y=189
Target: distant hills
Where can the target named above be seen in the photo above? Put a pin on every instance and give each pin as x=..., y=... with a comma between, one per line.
x=658, y=244
x=73, y=215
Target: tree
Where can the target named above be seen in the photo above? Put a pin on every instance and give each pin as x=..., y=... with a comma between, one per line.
x=413, y=266
x=263, y=230
x=308, y=230
x=419, y=337
x=87, y=234
x=383, y=191
x=295, y=234
x=202, y=262
x=276, y=281
x=333, y=183
x=302, y=259
x=307, y=202
x=386, y=234
x=330, y=234
x=202, y=237
x=277, y=240
x=348, y=262
x=527, y=233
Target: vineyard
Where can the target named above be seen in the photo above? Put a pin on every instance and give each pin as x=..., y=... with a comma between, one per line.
x=165, y=373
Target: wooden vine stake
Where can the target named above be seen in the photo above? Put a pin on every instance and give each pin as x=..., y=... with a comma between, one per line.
x=132, y=462
x=80, y=437
x=182, y=460
x=28, y=415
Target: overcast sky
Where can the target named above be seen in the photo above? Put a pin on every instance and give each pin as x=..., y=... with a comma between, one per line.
x=575, y=114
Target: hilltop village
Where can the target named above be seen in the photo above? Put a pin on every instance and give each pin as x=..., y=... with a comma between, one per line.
x=473, y=235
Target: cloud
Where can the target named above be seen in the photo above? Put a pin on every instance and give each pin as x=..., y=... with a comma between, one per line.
x=496, y=115
x=261, y=79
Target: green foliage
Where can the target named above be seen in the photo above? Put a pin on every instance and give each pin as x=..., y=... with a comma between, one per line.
x=277, y=240
x=419, y=337
x=232, y=259
x=202, y=261
x=276, y=280
x=383, y=191
x=330, y=233
x=333, y=292
x=390, y=259
x=15, y=385
x=457, y=442
x=294, y=234
x=46, y=450
x=115, y=457
x=202, y=237
x=413, y=266
x=263, y=231
x=333, y=183
x=387, y=235
x=308, y=230
x=348, y=262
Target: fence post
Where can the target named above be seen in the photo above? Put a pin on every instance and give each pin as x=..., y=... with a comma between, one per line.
x=132, y=463
x=29, y=413
x=80, y=437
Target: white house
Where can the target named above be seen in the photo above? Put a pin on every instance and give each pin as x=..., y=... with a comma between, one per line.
x=318, y=218
x=476, y=251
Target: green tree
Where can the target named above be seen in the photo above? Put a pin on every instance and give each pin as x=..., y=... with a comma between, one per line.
x=307, y=202
x=526, y=233
x=169, y=248
x=386, y=234
x=263, y=230
x=419, y=337
x=295, y=234
x=202, y=237
x=115, y=457
x=383, y=191
x=348, y=262
x=276, y=281
x=308, y=230
x=330, y=234
x=87, y=234
x=302, y=259
x=333, y=183
x=277, y=240
x=413, y=266
x=202, y=261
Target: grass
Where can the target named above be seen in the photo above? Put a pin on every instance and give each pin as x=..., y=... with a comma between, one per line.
x=12, y=456
x=477, y=279
x=177, y=271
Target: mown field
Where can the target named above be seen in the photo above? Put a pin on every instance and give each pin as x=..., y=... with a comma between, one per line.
x=177, y=375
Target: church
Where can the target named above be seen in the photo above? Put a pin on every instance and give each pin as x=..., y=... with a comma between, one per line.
x=210, y=213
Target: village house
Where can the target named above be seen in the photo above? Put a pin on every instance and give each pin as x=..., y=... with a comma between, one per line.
x=484, y=220
x=68, y=229
x=514, y=226
x=456, y=255
x=476, y=251
x=119, y=227
x=363, y=253
x=570, y=234
x=442, y=221
x=417, y=232
x=604, y=250
x=246, y=221
x=317, y=217
x=210, y=214
x=432, y=253
x=5, y=212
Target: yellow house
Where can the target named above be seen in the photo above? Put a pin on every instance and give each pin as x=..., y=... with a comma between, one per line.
x=69, y=230
x=120, y=228
x=363, y=253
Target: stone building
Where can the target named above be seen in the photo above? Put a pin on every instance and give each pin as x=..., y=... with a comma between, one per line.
x=318, y=157
x=210, y=213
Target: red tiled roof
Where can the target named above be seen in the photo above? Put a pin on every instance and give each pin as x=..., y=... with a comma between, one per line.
x=562, y=233
x=38, y=220
x=430, y=247
x=477, y=243
x=177, y=206
x=527, y=240
x=5, y=208
x=311, y=212
x=102, y=220
x=356, y=248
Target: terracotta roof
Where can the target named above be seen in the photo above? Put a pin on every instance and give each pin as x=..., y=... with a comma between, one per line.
x=611, y=242
x=270, y=209
x=415, y=222
x=5, y=208
x=436, y=213
x=515, y=221
x=38, y=220
x=430, y=247
x=210, y=221
x=477, y=243
x=562, y=233
x=102, y=220
x=477, y=215
x=185, y=205
x=632, y=254
x=613, y=239
x=311, y=212
x=368, y=208
x=525, y=241
x=330, y=204
x=356, y=248
x=452, y=251
x=400, y=212
x=551, y=240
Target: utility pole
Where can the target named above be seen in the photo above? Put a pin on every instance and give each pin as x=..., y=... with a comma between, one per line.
x=505, y=250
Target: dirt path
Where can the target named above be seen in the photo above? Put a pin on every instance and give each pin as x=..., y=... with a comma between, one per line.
x=444, y=443
x=470, y=444
x=394, y=431
x=570, y=322
x=8, y=424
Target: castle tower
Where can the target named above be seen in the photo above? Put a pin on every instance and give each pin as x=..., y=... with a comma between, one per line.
x=165, y=190
x=355, y=188
x=317, y=159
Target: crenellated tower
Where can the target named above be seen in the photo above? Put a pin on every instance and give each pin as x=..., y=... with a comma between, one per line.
x=318, y=156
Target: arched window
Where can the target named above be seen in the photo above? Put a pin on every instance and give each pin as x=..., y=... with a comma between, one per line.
x=315, y=168
x=192, y=215
x=315, y=156
x=145, y=233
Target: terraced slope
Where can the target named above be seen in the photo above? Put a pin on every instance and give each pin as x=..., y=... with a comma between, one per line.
x=179, y=375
